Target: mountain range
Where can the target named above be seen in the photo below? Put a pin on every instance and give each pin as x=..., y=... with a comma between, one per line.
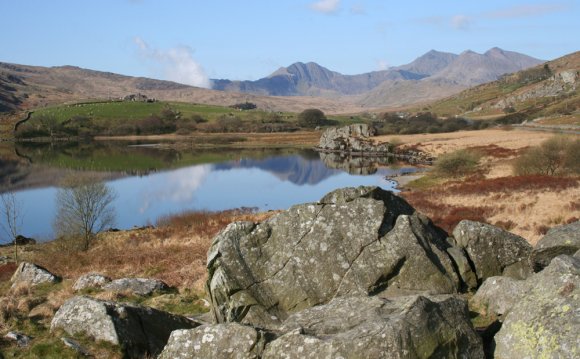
x=433, y=75
x=443, y=71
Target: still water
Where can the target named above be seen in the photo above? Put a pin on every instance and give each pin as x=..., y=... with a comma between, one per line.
x=151, y=182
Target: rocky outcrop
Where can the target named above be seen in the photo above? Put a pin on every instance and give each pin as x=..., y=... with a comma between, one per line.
x=560, y=83
x=559, y=240
x=546, y=320
x=349, y=327
x=136, y=286
x=352, y=139
x=493, y=251
x=32, y=274
x=139, y=330
x=91, y=280
x=354, y=241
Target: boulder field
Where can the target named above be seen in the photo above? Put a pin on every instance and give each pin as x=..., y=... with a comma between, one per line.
x=357, y=274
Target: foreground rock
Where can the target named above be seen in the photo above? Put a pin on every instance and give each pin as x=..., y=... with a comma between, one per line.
x=353, y=327
x=223, y=341
x=545, y=322
x=136, y=286
x=559, y=240
x=91, y=280
x=139, y=330
x=32, y=274
x=372, y=327
x=354, y=241
x=493, y=251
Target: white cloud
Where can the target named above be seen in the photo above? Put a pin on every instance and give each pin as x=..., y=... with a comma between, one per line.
x=326, y=6
x=460, y=22
x=176, y=64
x=382, y=65
x=178, y=187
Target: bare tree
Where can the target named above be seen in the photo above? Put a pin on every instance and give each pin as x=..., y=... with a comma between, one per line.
x=84, y=208
x=11, y=218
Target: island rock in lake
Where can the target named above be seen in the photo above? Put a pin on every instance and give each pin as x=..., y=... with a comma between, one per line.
x=352, y=139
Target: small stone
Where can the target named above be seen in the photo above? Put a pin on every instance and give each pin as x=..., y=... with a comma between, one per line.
x=74, y=345
x=22, y=340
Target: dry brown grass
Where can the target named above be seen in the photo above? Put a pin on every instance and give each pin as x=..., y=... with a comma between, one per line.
x=525, y=205
x=439, y=143
x=175, y=251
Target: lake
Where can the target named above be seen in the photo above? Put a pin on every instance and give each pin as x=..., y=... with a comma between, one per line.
x=151, y=182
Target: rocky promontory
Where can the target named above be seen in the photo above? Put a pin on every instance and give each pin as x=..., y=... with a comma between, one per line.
x=355, y=141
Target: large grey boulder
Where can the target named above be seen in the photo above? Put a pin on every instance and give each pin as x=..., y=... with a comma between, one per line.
x=546, y=320
x=354, y=241
x=493, y=251
x=32, y=274
x=497, y=295
x=370, y=327
x=136, y=286
x=559, y=240
x=224, y=341
x=139, y=330
x=91, y=280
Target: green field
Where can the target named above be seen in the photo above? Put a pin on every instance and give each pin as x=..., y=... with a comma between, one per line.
x=127, y=111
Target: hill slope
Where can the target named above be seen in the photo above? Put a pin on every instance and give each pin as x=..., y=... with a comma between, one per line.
x=548, y=90
x=25, y=87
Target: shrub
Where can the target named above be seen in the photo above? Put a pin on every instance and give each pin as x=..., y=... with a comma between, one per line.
x=555, y=156
x=311, y=118
x=458, y=163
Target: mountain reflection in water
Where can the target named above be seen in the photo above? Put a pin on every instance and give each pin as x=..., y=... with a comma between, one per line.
x=153, y=182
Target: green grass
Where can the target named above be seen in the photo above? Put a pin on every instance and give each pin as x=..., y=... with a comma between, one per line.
x=103, y=112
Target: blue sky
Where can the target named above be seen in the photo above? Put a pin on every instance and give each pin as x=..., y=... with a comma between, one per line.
x=191, y=41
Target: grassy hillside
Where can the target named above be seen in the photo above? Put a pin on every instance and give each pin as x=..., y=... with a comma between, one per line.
x=549, y=91
x=122, y=118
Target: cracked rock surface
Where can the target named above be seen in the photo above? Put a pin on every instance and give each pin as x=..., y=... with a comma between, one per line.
x=348, y=327
x=493, y=251
x=354, y=241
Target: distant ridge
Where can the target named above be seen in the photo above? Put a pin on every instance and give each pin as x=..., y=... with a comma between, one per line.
x=432, y=75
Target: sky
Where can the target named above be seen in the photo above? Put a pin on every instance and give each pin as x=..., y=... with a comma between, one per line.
x=197, y=40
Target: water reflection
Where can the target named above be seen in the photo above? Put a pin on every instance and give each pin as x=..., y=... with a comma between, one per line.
x=355, y=165
x=153, y=182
